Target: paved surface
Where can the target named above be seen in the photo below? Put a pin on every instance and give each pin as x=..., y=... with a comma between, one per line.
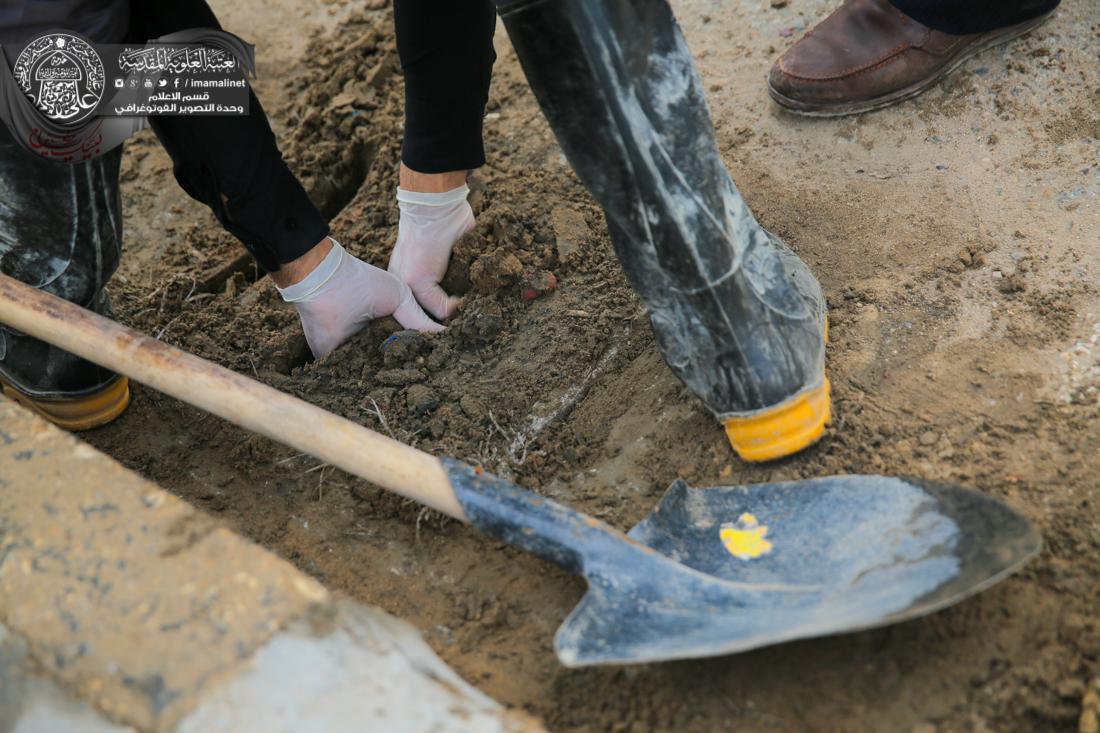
x=123, y=608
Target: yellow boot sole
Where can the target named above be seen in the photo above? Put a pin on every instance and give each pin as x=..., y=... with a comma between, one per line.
x=782, y=430
x=77, y=413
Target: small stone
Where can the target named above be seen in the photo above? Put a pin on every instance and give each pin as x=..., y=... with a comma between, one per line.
x=421, y=399
x=344, y=99
x=476, y=199
x=779, y=3
x=536, y=283
x=380, y=74
x=928, y=438
x=571, y=233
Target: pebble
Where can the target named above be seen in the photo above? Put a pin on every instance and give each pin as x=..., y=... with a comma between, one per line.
x=928, y=438
x=538, y=283
x=571, y=232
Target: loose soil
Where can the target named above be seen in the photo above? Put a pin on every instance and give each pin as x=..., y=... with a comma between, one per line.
x=956, y=238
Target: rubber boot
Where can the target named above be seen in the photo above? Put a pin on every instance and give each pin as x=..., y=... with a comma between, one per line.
x=738, y=317
x=60, y=231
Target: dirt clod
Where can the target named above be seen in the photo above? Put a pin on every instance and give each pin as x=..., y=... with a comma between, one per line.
x=421, y=399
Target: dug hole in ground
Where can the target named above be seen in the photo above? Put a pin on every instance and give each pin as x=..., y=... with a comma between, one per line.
x=957, y=241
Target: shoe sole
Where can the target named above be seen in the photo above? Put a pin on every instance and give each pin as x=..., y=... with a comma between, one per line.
x=78, y=413
x=810, y=109
x=784, y=429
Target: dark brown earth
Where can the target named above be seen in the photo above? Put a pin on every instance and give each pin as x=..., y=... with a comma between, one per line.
x=957, y=241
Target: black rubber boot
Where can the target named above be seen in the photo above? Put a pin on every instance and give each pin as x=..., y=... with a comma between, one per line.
x=60, y=231
x=737, y=315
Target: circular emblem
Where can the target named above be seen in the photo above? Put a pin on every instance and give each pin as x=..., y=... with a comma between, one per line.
x=62, y=75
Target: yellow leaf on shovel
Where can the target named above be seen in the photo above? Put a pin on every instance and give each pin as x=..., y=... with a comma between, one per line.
x=745, y=539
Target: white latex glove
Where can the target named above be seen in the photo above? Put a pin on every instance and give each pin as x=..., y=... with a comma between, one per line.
x=429, y=226
x=343, y=294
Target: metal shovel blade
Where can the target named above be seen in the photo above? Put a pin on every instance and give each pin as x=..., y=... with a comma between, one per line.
x=737, y=568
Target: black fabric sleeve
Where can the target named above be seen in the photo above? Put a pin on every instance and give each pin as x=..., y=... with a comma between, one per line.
x=233, y=164
x=447, y=54
x=962, y=17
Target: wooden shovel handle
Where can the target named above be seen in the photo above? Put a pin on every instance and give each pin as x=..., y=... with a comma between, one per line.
x=236, y=398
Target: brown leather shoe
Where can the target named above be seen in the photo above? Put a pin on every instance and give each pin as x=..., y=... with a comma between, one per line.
x=868, y=55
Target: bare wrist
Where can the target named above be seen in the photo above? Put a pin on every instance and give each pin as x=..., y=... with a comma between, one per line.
x=411, y=180
x=297, y=270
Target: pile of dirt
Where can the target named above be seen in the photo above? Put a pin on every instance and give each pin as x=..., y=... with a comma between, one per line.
x=549, y=374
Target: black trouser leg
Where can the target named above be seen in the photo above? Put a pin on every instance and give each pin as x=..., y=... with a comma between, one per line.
x=961, y=17
x=738, y=316
x=446, y=51
x=233, y=164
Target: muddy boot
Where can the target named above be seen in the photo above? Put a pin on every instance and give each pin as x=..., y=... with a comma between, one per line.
x=60, y=230
x=737, y=315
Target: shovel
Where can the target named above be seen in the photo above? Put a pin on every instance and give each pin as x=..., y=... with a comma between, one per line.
x=708, y=572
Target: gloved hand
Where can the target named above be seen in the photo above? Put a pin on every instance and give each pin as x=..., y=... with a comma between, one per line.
x=429, y=226
x=343, y=294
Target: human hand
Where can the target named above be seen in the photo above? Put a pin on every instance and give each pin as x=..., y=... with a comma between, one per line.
x=342, y=294
x=429, y=226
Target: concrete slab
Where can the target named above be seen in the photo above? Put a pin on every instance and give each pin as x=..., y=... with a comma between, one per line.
x=124, y=607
